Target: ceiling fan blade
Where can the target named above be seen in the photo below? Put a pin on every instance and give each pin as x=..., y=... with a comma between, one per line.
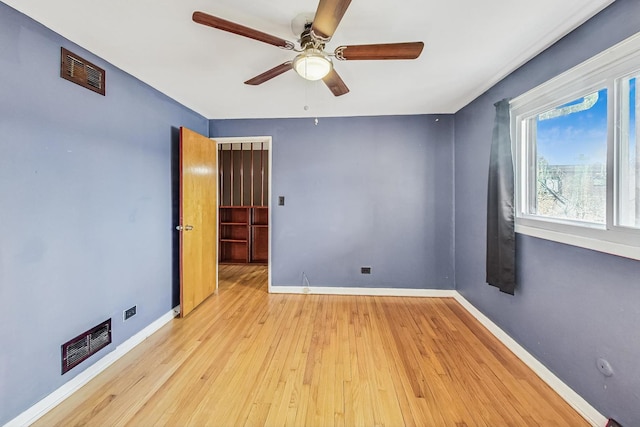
x=379, y=51
x=335, y=83
x=328, y=16
x=241, y=30
x=268, y=75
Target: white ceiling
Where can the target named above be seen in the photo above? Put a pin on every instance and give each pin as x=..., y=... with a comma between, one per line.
x=469, y=46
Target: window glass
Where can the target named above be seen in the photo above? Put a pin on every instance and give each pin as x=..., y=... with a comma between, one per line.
x=571, y=160
x=629, y=169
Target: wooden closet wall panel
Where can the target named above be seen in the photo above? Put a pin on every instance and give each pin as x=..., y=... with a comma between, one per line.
x=235, y=188
x=260, y=247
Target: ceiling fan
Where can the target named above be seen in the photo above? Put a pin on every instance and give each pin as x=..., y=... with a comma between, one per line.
x=312, y=62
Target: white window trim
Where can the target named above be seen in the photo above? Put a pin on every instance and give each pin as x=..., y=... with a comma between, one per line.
x=596, y=73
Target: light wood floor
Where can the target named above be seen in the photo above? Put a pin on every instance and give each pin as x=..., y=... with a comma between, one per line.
x=248, y=358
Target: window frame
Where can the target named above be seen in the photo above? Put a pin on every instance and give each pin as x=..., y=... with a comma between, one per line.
x=604, y=71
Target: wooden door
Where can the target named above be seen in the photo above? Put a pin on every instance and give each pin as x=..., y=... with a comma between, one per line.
x=198, y=219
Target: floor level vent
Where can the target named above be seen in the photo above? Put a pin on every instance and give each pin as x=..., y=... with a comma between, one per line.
x=84, y=345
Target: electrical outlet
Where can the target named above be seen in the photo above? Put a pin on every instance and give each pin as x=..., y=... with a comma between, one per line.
x=130, y=313
x=365, y=270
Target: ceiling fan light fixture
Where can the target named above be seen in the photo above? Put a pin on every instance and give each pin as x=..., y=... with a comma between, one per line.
x=312, y=64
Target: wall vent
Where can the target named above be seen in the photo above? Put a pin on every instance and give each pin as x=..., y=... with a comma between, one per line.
x=80, y=71
x=84, y=345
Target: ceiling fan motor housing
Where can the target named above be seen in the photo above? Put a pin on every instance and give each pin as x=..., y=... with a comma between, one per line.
x=307, y=39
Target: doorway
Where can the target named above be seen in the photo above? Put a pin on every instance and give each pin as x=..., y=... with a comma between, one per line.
x=244, y=207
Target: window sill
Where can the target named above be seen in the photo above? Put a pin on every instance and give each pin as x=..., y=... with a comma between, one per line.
x=613, y=248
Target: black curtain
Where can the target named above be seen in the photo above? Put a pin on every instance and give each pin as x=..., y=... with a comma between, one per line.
x=501, y=237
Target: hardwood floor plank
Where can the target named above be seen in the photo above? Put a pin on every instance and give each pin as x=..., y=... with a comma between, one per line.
x=247, y=357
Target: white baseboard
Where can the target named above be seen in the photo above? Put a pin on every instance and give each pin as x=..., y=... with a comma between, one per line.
x=576, y=401
x=32, y=414
x=383, y=292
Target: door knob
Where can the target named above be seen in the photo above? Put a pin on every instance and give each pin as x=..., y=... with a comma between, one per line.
x=185, y=228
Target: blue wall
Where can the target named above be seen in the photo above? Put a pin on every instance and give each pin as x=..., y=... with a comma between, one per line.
x=363, y=191
x=85, y=207
x=572, y=305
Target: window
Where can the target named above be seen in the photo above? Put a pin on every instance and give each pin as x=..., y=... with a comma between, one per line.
x=576, y=154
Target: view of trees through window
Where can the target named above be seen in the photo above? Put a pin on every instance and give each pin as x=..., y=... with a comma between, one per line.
x=571, y=153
